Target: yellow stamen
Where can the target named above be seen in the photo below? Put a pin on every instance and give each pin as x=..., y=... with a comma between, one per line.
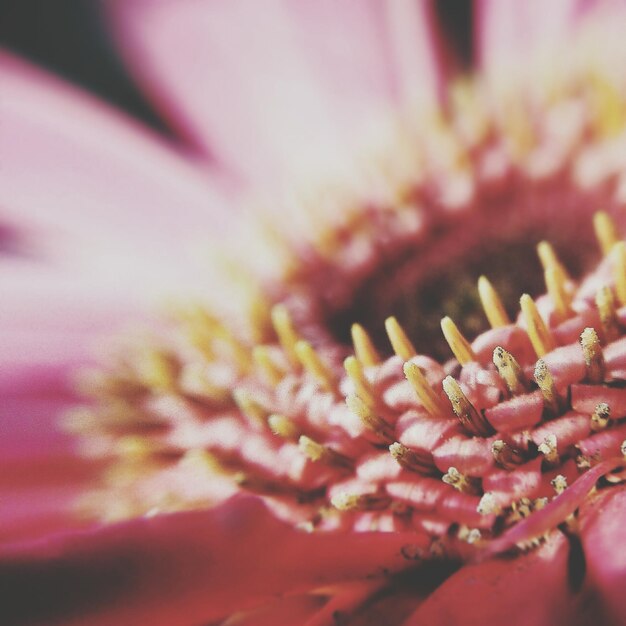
x=504, y=455
x=282, y=426
x=490, y=300
x=549, y=259
x=249, y=406
x=460, y=346
x=364, y=347
x=600, y=417
x=267, y=366
x=544, y=380
x=287, y=335
x=318, y=452
x=239, y=351
x=195, y=381
x=375, y=423
x=606, y=231
x=558, y=292
x=538, y=333
x=314, y=365
x=469, y=417
x=361, y=502
x=400, y=343
x=510, y=370
x=459, y=481
x=592, y=352
x=606, y=309
x=362, y=386
x=157, y=369
x=409, y=459
x=427, y=395
x=618, y=253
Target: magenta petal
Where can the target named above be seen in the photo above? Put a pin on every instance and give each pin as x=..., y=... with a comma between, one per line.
x=529, y=589
x=604, y=535
x=183, y=569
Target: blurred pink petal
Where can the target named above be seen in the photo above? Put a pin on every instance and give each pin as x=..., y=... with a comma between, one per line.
x=259, y=83
x=184, y=568
x=95, y=191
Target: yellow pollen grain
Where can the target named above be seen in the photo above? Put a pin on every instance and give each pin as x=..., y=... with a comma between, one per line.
x=592, y=353
x=557, y=290
x=549, y=448
x=492, y=304
x=370, y=419
x=362, y=386
x=272, y=373
x=606, y=231
x=400, y=343
x=460, y=346
x=364, y=348
x=286, y=333
x=509, y=370
x=538, y=333
x=618, y=254
x=455, y=479
x=314, y=365
x=605, y=302
x=544, y=381
x=323, y=454
x=559, y=483
x=426, y=394
x=283, y=427
x=600, y=417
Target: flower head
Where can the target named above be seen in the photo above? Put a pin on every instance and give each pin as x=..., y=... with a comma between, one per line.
x=425, y=437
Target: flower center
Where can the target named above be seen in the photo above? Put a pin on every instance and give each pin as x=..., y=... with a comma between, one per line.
x=460, y=450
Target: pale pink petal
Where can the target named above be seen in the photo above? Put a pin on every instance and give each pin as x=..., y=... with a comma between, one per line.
x=509, y=34
x=261, y=83
x=89, y=188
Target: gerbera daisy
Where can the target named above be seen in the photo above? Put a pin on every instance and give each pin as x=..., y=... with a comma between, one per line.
x=420, y=435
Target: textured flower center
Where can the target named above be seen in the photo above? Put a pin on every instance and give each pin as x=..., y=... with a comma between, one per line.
x=402, y=373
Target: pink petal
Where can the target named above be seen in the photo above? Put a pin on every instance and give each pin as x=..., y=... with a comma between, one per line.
x=95, y=191
x=510, y=34
x=517, y=413
x=529, y=589
x=602, y=533
x=184, y=569
x=257, y=83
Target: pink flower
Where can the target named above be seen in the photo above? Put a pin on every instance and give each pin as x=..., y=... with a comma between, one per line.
x=274, y=457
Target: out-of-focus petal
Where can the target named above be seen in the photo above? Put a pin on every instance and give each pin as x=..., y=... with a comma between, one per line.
x=182, y=569
x=528, y=589
x=510, y=34
x=257, y=83
x=90, y=189
x=603, y=535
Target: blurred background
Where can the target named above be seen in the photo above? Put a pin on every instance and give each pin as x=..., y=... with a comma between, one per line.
x=69, y=38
